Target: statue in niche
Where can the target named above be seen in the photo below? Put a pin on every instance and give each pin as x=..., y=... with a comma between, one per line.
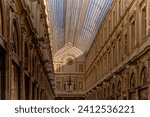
x=69, y=61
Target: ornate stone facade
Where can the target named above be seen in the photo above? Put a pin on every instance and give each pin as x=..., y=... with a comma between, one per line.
x=69, y=67
x=26, y=69
x=118, y=62
x=117, y=65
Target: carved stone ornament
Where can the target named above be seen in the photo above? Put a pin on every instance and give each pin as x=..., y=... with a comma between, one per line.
x=69, y=61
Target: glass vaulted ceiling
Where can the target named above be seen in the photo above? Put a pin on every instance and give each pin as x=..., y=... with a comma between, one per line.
x=76, y=21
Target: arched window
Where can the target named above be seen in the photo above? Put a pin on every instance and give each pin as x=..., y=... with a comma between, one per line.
x=143, y=77
x=119, y=87
x=1, y=19
x=15, y=44
x=132, y=81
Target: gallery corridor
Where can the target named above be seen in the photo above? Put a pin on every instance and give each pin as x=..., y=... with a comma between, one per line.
x=74, y=49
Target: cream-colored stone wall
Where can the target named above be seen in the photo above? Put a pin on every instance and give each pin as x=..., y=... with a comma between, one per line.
x=25, y=46
x=69, y=66
x=120, y=52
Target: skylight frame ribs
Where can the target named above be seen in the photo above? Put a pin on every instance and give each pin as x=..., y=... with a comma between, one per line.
x=86, y=20
x=103, y=16
x=89, y=33
x=82, y=26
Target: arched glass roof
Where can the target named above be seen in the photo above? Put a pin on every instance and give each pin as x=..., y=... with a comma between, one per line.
x=76, y=21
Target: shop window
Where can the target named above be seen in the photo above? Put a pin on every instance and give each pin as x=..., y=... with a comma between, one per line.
x=15, y=38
